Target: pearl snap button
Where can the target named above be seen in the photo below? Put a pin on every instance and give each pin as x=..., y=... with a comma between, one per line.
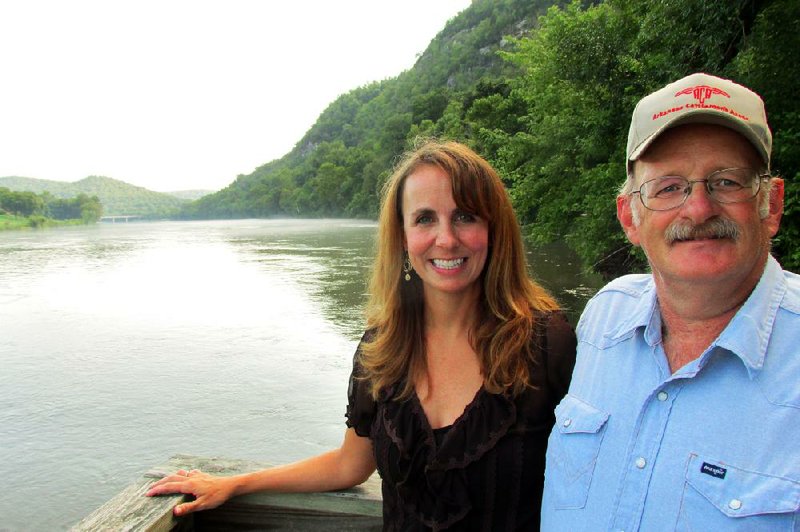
x=662, y=396
x=735, y=504
x=567, y=422
x=641, y=462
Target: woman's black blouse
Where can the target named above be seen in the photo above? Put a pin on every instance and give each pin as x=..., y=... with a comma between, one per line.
x=484, y=472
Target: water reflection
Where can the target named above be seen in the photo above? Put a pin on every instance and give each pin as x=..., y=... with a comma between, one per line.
x=559, y=269
x=329, y=259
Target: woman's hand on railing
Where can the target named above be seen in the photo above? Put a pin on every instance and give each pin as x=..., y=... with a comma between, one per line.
x=209, y=491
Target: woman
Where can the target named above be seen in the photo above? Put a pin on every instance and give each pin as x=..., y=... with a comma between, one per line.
x=455, y=382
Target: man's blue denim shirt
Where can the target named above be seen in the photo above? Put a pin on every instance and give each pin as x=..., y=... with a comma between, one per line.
x=715, y=446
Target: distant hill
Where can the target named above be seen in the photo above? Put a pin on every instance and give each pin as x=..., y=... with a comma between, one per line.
x=116, y=196
x=190, y=195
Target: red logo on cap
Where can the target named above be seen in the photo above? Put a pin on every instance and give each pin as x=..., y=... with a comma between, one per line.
x=702, y=92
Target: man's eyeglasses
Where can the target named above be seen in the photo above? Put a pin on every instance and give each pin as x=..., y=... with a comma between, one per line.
x=730, y=185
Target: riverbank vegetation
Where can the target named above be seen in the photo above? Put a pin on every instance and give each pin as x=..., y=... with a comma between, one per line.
x=10, y=221
x=27, y=209
x=545, y=91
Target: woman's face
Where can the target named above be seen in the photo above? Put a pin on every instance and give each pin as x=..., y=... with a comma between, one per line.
x=447, y=246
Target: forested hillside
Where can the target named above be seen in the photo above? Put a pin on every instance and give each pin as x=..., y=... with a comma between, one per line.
x=547, y=100
x=117, y=197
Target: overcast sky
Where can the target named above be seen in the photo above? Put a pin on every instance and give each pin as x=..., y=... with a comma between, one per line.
x=187, y=94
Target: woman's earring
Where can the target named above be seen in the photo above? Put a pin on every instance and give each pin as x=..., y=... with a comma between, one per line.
x=407, y=269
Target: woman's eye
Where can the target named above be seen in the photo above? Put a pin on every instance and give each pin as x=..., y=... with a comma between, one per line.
x=464, y=217
x=424, y=219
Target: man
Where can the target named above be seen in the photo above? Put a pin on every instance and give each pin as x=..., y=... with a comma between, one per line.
x=684, y=408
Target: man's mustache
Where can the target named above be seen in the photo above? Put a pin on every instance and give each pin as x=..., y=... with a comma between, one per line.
x=714, y=228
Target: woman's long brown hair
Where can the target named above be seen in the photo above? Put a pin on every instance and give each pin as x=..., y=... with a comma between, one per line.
x=510, y=301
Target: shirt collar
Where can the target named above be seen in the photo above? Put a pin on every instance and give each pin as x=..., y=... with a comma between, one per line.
x=747, y=335
x=643, y=313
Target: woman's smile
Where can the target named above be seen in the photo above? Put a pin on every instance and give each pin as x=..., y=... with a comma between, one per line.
x=448, y=264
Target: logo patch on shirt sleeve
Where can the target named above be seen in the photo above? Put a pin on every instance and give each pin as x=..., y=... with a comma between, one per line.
x=713, y=470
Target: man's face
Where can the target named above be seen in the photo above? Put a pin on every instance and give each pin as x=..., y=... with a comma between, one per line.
x=694, y=151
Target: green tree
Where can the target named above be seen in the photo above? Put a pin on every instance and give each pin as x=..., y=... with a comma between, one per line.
x=90, y=208
x=21, y=203
x=566, y=162
x=767, y=63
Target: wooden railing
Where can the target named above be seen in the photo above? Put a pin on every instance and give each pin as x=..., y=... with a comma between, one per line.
x=354, y=509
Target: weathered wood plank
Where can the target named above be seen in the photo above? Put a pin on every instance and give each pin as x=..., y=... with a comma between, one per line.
x=130, y=510
x=355, y=509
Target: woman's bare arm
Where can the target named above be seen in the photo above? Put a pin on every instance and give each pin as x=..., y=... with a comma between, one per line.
x=349, y=465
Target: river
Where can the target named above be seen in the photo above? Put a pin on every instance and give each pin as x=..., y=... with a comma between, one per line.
x=123, y=344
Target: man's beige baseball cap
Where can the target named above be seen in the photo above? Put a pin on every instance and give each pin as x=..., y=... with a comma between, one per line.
x=699, y=99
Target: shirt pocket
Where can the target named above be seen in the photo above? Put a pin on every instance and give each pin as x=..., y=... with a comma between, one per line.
x=574, y=446
x=720, y=496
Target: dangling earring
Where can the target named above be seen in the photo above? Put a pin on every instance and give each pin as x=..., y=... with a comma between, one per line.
x=407, y=268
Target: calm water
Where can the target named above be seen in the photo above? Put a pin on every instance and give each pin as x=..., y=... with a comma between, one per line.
x=121, y=345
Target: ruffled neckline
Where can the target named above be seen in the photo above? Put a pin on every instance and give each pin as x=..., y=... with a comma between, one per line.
x=483, y=422
x=432, y=481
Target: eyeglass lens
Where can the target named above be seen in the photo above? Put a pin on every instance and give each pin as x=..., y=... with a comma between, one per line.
x=731, y=185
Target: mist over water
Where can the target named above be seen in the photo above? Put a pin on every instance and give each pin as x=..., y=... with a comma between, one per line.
x=121, y=345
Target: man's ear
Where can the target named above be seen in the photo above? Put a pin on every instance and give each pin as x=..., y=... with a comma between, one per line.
x=625, y=217
x=773, y=220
